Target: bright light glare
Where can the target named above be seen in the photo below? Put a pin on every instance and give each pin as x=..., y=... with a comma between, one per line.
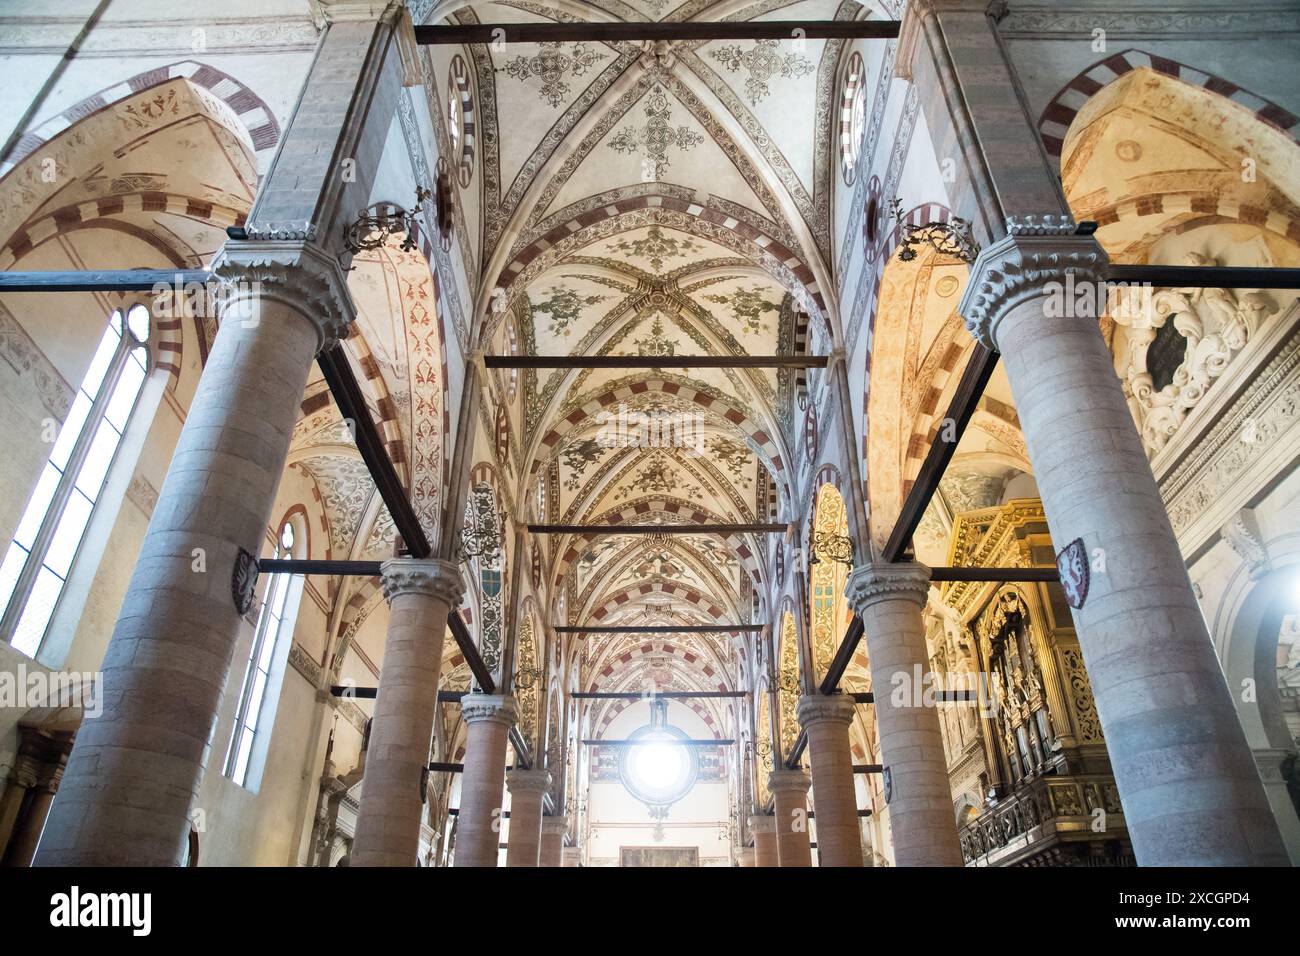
x=658, y=766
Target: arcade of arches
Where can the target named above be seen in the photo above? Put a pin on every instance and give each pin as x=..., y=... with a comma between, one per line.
x=933, y=549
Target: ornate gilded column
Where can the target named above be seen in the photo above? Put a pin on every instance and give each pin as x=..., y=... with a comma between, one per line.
x=889, y=599
x=488, y=718
x=135, y=770
x=826, y=718
x=790, y=792
x=764, y=829
x=525, y=838
x=1189, y=786
x=553, y=830
x=420, y=593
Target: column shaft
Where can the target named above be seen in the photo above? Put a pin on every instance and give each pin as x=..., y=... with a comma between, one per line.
x=764, y=830
x=525, y=837
x=553, y=841
x=482, y=787
x=571, y=856
x=790, y=791
x=1189, y=786
x=889, y=599
x=420, y=595
x=839, y=835
x=135, y=770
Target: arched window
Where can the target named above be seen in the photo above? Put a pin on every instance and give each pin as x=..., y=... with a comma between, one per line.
x=247, y=751
x=47, y=539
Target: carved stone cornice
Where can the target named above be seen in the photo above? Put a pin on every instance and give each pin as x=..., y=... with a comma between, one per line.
x=1016, y=269
x=293, y=272
x=795, y=782
x=528, y=781
x=762, y=823
x=872, y=583
x=554, y=825
x=431, y=577
x=476, y=707
x=837, y=708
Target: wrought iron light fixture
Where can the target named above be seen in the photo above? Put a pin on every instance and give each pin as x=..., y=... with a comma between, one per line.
x=951, y=238
x=377, y=222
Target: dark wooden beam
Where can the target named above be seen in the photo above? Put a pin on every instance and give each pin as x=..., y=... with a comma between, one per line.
x=941, y=575
x=969, y=389
x=295, y=566
x=663, y=629
x=867, y=698
x=843, y=655
x=755, y=528
x=523, y=754
x=796, y=752
x=661, y=361
x=868, y=768
x=460, y=633
x=1205, y=277
x=665, y=694
x=107, y=280
x=437, y=767
x=352, y=404
x=676, y=741
x=613, y=32
x=369, y=693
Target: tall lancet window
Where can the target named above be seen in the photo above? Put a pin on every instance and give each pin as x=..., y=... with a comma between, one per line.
x=49, y=535
x=256, y=714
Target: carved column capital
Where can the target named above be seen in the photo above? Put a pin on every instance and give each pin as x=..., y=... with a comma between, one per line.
x=292, y=271
x=555, y=825
x=1038, y=253
x=429, y=576
x=795, y=782
x=476, y=707
x=520, y=780
x=815, y=708
x=873, y=582
x=762, y=823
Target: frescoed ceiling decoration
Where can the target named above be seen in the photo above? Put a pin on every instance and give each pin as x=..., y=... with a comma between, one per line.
x=658, y=200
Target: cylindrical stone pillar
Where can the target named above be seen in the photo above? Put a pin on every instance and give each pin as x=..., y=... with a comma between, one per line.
x=745, y=856
x=420, y=595
x=488, y=718
x=764, y=829
x=135, y=770
x=524, y=845
x=826, y=718
x=571, y=856
x=1188, y=783
x=889, y=599
x=553, y=829
x=790, y=793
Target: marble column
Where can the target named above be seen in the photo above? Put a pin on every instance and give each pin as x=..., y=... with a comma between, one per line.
x=790, y=792
x=553, y=830
x=525, y=837
x=571, y=856
x=889, y=599
x=420, y=593
x=135, y=770
x=826, y=718
x=745, y=856
x=488, y=718
x=764, y=829
x=1189, y=786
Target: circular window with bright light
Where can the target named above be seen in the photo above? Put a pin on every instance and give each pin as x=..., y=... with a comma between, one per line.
x=658, y=770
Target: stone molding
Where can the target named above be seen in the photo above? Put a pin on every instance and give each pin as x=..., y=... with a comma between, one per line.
x=432, y=577
x=528, y=781
x=761, y=822
x=788, y=781
x=476, y=707
x=872, y=583
x=293, y=272
x=554, y=825
x=814, y=708
x=1015, y=270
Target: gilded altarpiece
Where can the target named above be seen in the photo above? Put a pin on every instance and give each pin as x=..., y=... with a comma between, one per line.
x=1026, y=755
